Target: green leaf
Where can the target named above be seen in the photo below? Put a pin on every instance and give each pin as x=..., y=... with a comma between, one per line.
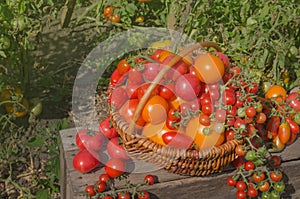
x=63, y=124
x=36, y=142
x=42, y=194
x=2, y=54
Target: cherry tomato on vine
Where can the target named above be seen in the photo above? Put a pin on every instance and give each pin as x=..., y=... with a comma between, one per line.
x=264, y=186
x=249, y=165
x=250, y=155
x=177, y=140
x=107, y=129
x=239, y=150
x=220, y=115
x=241, y=195
x=101, y=187
x=115, y=167
x=252, y=192
x=118, y=97
x=108, y=10
x=107, y=197
x=187, y=87
x=275, y=161
x=115, y=150
x=104, y=177
x=241, y=185
x=149, y=179
x=266, y=195
x=261, y=118
x=276, y=175
x=228, y=97
x=123, y=195
x=143, y=195
x=123, y=67
x=294, y=101
x=276, y=92
x=115, y=18
x=279, y=186
x=90, y=190
x=167, y=91
x=258, y=176
x=250, y=111
x=275, y=194
x=284, y=132
x=231, y=182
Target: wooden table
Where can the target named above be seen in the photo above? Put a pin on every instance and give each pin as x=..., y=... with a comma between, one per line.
x=170, y=185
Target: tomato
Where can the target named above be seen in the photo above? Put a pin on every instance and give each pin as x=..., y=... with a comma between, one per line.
x=143, y=89
x=156, y=109
x=108, y=10
x=103, y=178
x=118, y=97
x=250, y=155
x=209, y=68
x=231, y=182
x=173, y=114
x=261, y=118
x=223, y=58
x=293, y=126
x=123, y=67
x=127, y=112
x=115, y=150
x=250, y=111
x=258, y=176
x=279, y=186
x=239, y=123
x=204, y=136
x=101, y=187
x=114, y=167
x=115, y=78
x=273, y=125
x=253, y=88
x=275, y=194
x=85, y=161
x=228, y=97
x=123, y=195
x=187, y=87
x=167, y=91
x=149, y=179
x=292, y=139
x=177, y=140
x=115, y=18
x=90, y=190
x=17, y=109
x=249, y=165
x=207, y=109
x=230, y=134
x=143, y=195
x=90, y=140
x=107, y=129
x=135, y=77
x=204, y=119
x=155, y=132
x=240, y=185
x=165, y=57
x=276, y=175
x=8, y=91
x=139, y=19
x=180, y=68
x=220, y=115
x=239, y=161
x=239, y=150
x=264, y=186
x=293, y=99
x=266, y=195
x=276, y=92
x=277, y=144
x=252, y=192
x=284, y=132
x=275, y=161
x=107, y=197
x=151, y=70
x=132, y=91
x=172, y=125
x=241, y=195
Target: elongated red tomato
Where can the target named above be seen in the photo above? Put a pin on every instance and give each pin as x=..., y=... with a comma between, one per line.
x=273, y=125
x=177, y=140
x=284, y=132
x=293, y=125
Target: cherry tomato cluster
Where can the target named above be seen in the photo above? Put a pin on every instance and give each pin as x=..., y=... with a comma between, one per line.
x=109, y=14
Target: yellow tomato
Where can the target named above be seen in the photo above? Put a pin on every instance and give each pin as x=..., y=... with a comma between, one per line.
x=204, y=136
x=18, y=110
x=8, y=91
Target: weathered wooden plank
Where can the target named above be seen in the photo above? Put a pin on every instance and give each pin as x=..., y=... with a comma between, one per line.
x=171, y=185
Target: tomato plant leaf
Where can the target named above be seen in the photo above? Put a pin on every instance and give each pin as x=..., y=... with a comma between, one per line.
x=42, y=194
x=36, y=142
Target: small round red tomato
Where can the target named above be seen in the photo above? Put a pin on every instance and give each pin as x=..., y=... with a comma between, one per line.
x=220, y=115
x=132, y=91
x=258, y=176
x=115, y=18
x=171, y=124
x=239, y=150
x=204, y=119
x=276, y=175
x=115, y=150
x=223, y=58
x=252, y=192
x=261, y=118
x=143, y=195
x=123, y=67
x=135, y=77
x=151, y=70
x=187, y=87
x=107, y=129
x=127, y=111
x=293, y=100
x=90, y=140
x=90, y=190
x=231, y=182
x=264, y=186
x=101, y=187
x=108, y=10
x=115, y=167
x=207, y=109
x=228, y=97
x=123, y=195
x=156, y=109
x=275, y=161
x=142, y=90
x=177, y=140
x=209, y=68
x=241, y=195
x=173, y=114
x=250, y=111
x=253, y=88
x=104, y=177
x=239, y=123
x=118, y=97
x=249, y=165
x=276, y=92
x=241, y=185
x=167, y=91
x=149, y=179
x=107, y=197
x=85, y=161
x=115, y=78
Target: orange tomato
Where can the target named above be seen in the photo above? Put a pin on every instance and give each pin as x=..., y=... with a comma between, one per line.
x=18, y=110
x=204, y=136
x=284, y=132
x=156, y=110
x=276, y=92
x=155, y=132
x=8, y=91
x=209, y=68
x=164, y=54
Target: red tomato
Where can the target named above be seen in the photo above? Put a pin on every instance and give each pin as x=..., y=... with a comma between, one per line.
x=107, y=197
x=101, y=187
x=276, y=175
x=258, y=177
x=264, y=186
x=284, y=132
x=115, y=77
x=241, y=195
x=135, y=77
x=127, y=112
x=123, y=67
x=90, y=190
x=123, y=195
x=220, y=115
x=143, y=195
x=239, y=161
x=85, y=161
x=249, y=165
x=241, y=185
x=90, y=140
x=187, y=87
x=177, y=140
x=108, y=10
x=107, y=129
x=115, y=150
x=180, y=68
x=151, y=70
x=223, y=58
x=149, y=179
x=273, y=125
x=143, y=88
x=115, y=18
x=293, y=126
x=167, y=91
x=250, y=111
x=118, y=97
x=239, y=150
x=276, y=92
x=210, y=69
x=104, y=178
x=114, y=167
x=228, y=97
x=173, y=114
x=132, y=91
x=261, y=118
x=156, y=109
x=231, y=182
x=275, y=161
x=155, y=132
x=293, y=100
x=252, y=192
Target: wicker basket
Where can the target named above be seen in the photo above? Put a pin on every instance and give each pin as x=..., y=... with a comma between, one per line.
x=192, y=161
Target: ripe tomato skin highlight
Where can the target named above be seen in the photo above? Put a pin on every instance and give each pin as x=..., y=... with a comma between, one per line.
x=295, y=129
x=240, y=185
x=258, y=177
x=149, y=179
x=114, y=167
x=90, y=190
x=294, y=101
x=122, y=195
x=276, y=175
x=231, y=182
x=85, y=161
x=103, y=178
x=209, y=68
x=144, y=195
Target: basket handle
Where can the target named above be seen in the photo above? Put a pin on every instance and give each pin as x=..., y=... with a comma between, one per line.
x=160, y=75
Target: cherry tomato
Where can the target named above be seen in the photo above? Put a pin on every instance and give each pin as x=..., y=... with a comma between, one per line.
x=279, y=186
x=249, y=165
x=239, y=123
x=173, y=114
x=204, y=119
x=132, y=91
x=90, y=140
x=187, y=87
x=276, y=175
x=250, y=155
x=107, y=129
x=273, y=125
x=209, y=68
x=253, y=88
x=177, y=140
x=264, y=186
x=275, y=161
x=239, y=161
x=103, y=178
x=228, y=97
x=90, y=190
x=239, y=150
x=276, y=92
x=115, y=18
x=114, y=167
x=151, y=70
x=143, y=195
x=115, y=78
x=155, y=132
x=167, y=91
x=108, y=10
x=85, y=161
x=135, y=77
x=118, y=97
x=123, y=195
x=241, y=195
x=207, y=109
x=123, y=67
x=156, y=109
x=127, y=112
x=223, y=58
x=241, y=185
x=252, y=192
x=275, y=194
x=231, y=182
x=250, y=111
x=261, y=118
x=107, y=197
x=101, y=187
x=229, y=134
x=171, y=124
x=149, y=179
x=266, y=195
x=293, y=100
x=220, y=115
x=258, y=176
x=115, y=150
x=284, y=132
